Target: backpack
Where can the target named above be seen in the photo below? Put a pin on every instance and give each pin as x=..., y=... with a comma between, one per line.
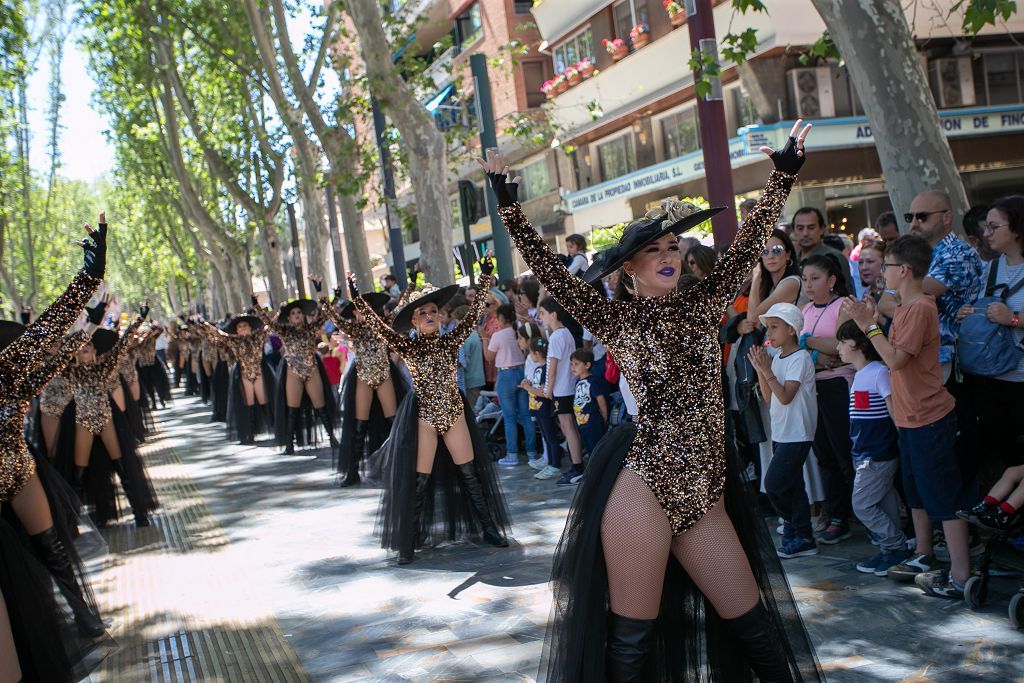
x=985, y=348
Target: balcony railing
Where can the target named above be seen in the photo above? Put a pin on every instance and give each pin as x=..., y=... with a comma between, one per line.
x=440, y=70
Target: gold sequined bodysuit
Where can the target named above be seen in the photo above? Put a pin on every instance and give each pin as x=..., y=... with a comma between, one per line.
x=432, y=361
x=147, y=351
x=667, y=348
x=298, y=343
x=248, y=350
x=90, y=384
x=25, y=367
x=372, y=364
x=126, y=364
x=55, y=396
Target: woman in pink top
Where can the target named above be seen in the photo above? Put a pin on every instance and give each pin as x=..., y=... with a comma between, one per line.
x=502, y=349
x=825, y=287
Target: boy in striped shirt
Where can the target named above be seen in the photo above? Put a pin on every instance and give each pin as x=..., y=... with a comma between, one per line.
x=875, y=450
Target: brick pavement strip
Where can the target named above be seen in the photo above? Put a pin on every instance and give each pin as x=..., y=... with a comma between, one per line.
x=180, y=613
x=258, y=569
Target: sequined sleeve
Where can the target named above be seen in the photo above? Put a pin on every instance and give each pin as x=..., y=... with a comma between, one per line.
x=53, y=364
x=346, y=325
x=406, y=293
x=271, y=322
x=111, y=359
x=734, y=266
x=48, y=329
x=396, y=341
x=581, y=300
x=468, y=324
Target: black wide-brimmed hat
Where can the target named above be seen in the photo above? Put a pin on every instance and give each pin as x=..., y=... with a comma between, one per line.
x=377, y=300
x=308, y=306
x=103, y=340
x=232, y=325
x=440, y=296
x=672, y=217
x=9, y=331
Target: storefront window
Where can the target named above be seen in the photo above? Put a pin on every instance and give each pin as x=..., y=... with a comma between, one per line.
x=680, y=133
x=616, y=157
x=999, y=77
x=573, y=50
x=535, y=180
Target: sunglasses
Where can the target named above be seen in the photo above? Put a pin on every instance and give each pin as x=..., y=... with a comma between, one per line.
x=921, y=216
x=777, y=250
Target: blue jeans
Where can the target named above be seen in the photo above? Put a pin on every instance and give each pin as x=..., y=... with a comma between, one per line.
x=515, y=408
x=784, y=484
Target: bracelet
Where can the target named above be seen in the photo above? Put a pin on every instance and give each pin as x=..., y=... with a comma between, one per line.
x=874, y=333
x=803, y=340
x=1015, y=320
x=814, y=357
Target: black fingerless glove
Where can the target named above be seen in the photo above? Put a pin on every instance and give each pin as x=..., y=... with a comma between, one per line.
x=413, y=276
x=143, y=311
x=26, y=316
x=317, y=285
x=95, y=246
x=353, y=288
x=787, y=159
x=506, y=192
x=95, y=314
x=487, y=265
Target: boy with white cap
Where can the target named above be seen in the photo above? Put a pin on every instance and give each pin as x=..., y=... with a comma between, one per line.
x=788, y=379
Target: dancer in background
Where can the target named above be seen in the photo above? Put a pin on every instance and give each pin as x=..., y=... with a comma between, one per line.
x=152, y=371
x=95, y=438
x=372, y=386
x=252, y=379
x=428, y=498
x=657, y=578
x=44, y=649
x=301, y=374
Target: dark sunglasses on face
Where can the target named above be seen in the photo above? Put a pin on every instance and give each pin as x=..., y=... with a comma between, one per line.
x=921, y=216
x=777, y=250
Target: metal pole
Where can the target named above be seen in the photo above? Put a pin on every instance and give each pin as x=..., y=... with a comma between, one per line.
x=296, y=255
x=390, y=198
x=332, y=220
x=489, y=140
x=713, y=134
x=466, y=203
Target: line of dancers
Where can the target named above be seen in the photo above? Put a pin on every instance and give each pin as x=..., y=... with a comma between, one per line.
x=665, y=571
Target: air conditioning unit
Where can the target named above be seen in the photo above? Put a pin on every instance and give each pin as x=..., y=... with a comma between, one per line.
x=952, y=81
x=812, y=92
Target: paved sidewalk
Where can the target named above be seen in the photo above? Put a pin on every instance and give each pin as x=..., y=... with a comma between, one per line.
x=259, y=569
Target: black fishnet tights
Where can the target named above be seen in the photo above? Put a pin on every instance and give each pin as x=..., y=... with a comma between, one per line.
x=637, y=538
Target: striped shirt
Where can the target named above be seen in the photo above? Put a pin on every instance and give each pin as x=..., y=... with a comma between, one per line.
x=871, y=428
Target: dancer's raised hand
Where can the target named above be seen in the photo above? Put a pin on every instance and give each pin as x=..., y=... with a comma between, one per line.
x=791, y=157
x=95, y=246
x=496, y=169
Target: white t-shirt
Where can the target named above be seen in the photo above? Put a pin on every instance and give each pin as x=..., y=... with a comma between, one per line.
x=795, y=422
x=162, y=342
x=627, y=396
x=561, y=346
x=577, y=264
x=598, y=349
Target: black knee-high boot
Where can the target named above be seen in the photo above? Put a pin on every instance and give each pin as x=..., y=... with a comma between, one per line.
x=759, y=640
x=629, y=641
x=131, y=489
x=51, y=552
x=247, y=431
x=356, y=450
x=467, y=472
x=405, y=553
x=292, y=423
x=325, y=420
x=78, y=482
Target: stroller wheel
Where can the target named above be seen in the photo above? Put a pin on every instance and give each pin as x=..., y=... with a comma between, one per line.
x=973, y=593
x=1016, y=610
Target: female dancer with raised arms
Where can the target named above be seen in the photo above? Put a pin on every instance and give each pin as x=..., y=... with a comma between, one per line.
x=625, y=611
x=434, y=417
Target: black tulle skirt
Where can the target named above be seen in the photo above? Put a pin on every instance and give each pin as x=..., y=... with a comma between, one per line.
x=244, y=424
x=219, y=389
x=139, y=419
x=691, y=642
x=307, y=431
x=100, y=489
x=447, y=511
x=191, y=378
x=155, y=381
x=379, y=427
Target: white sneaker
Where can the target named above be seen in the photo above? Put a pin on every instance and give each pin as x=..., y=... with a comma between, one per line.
x=538, y=463
x=548, y=472
x=509, y=460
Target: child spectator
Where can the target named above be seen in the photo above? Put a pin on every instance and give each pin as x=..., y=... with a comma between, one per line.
x=875, y=450
x=788, y=380
x=508, y=358
x=590, y=402
x=332, y=366
x=561, y=385
x=471, y=361
x=525, y=334
x=924, y=415
x=576, y=254
x=998, y=510
x=541, y=407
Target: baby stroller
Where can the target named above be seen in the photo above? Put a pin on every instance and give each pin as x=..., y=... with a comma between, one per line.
x=489, y=420
x=1006, y=549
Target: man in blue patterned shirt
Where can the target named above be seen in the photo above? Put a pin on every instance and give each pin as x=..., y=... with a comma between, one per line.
x=954, y=277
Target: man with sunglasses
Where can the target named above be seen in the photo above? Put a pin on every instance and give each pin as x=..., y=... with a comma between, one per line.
x=954, y=277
